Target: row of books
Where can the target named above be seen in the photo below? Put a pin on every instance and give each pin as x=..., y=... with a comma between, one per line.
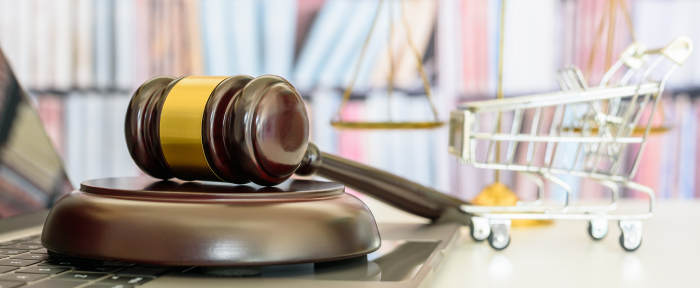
x=66, y=45
x=94, y=53
x=115, y=45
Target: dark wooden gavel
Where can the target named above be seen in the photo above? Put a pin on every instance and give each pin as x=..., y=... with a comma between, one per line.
x=240, y=129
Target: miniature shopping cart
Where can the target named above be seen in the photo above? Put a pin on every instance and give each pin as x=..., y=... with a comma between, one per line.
x=580, y=131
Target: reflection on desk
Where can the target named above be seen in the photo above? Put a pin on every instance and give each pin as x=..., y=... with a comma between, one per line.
x=562, y=255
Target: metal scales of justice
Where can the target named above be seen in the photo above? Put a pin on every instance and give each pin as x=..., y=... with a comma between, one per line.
x=338, y=121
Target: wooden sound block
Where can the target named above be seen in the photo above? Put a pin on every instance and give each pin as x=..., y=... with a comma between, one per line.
x=150, y=221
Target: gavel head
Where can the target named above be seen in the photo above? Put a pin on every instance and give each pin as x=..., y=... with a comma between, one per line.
x=234, y=129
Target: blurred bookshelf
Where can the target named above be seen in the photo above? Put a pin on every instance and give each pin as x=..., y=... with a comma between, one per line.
x=82, y=59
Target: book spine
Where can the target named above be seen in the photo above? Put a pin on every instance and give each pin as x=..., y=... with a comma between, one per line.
x=125, y=45
x=75, y=139
x=246, y=13
x=319, y=45
x=63, y=45
x=84, y=62
x=688, y=148
x=218, y=47
x=278, y=33
x=51, y=113
x=104, y=61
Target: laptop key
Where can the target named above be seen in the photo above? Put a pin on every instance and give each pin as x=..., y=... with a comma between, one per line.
x=17, y=262
x=144, y=271
x=122, y=264
x=57, y=284
x=12, y=251
x=40, y=251
x=107, y=269
x=22, y=277
x=125, y=280
x=44, y=270
x=24, y=247
x=4, y=269
x=81, y=276
x=109, y=286
x=9, y=242
x=60, y=262
x=65, y=256
x=32, y=257
x=10, y=284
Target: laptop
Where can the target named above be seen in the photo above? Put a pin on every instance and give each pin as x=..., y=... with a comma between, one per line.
x=32, y=179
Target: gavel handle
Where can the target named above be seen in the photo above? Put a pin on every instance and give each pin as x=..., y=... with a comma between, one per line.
x=391, y=189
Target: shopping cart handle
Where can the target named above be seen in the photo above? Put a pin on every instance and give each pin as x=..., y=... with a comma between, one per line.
x=391, y=189
x=679, y=49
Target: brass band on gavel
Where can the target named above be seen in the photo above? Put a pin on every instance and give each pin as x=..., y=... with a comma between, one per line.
x=235, y=129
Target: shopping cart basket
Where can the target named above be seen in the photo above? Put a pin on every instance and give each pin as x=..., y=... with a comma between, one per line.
x=580, y=131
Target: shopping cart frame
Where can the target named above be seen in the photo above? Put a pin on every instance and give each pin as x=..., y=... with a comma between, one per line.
x=603, y=132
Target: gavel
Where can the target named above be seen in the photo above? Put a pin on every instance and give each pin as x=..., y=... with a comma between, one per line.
x=241, y=129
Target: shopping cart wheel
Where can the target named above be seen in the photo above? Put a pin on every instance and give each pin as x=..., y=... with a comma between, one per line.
x=631, y=237
x=622, y=243
x=499, y=238
x=499, y=242
x=598, y=229
x=480, y=229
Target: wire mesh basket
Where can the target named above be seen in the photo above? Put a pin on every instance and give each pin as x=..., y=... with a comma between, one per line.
x=592, y=132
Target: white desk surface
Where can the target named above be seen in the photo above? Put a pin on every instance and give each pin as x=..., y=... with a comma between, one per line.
x=563, y=255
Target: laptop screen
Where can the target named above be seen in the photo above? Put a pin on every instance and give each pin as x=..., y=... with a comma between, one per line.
x=32, y=177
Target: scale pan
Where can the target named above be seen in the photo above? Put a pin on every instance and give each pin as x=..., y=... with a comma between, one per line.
x=150, y=221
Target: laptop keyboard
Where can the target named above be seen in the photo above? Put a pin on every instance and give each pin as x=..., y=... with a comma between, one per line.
x=25, y=263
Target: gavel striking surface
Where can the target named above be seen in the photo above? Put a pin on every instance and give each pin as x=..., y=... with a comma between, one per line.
x=150, y=221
